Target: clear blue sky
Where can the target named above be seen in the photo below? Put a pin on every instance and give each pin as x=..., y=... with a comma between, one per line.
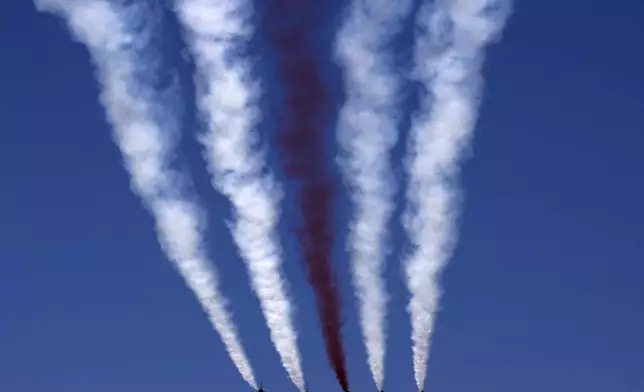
x=545, y=291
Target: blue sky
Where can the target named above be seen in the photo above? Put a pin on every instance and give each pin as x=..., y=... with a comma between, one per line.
x=544, y=290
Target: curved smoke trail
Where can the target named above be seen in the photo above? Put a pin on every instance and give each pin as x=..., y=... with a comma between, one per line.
x=118, y=39
x=448, y=53
x=228, y=101
x=292, y=25
x=367, y=132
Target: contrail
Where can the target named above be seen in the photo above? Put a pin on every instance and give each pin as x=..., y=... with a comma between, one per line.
x=217, y=32
x=118, y=35
x=367, y=131
x=300, y=131
x=452, y=35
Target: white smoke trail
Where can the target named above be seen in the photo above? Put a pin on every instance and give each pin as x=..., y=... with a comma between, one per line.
x=367, y=131
x=118, y=40
x=228, y=97
x=448, y=52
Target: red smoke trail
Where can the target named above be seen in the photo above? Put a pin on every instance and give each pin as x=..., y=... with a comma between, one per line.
x=300, y=132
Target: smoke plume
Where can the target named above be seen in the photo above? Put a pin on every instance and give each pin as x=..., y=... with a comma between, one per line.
x=452, y=36
x=367, y=132
x=228, y=97
x=301, y=125
x=118, y=35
